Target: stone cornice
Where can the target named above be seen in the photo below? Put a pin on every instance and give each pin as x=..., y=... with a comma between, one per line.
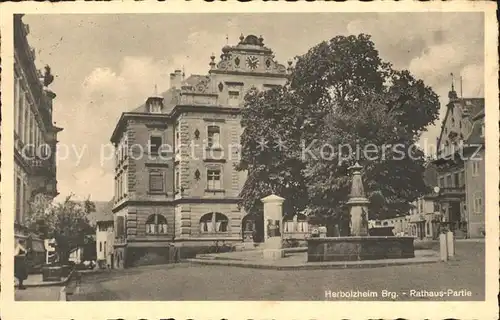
x=191, y=200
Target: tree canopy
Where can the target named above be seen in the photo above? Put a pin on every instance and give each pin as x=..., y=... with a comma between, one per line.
x=341, y=100
x=271, y=151
x=65, y=221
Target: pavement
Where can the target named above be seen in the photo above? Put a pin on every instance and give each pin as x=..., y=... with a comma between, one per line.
x=463, y=276
x=51, y=293
x=39, y=290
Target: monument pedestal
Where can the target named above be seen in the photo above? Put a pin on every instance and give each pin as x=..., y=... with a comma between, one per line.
x=358, y=204
x=273, y=216
x=273, y=254
x=272, y=249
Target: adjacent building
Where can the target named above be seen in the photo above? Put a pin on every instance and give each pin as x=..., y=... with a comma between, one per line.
x=35, y=135
x=175, y=180
x=461, y=166
x=105, y=235
x=425, y=218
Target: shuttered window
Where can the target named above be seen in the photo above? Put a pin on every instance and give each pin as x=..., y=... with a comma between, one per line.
x=155, y=181
x=120, y=226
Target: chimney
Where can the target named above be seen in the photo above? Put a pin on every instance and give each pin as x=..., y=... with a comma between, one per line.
x=176, y=79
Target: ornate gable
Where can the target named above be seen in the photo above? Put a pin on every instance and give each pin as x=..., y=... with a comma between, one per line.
x=248, y=56
x=457, y=124
x=198, y=84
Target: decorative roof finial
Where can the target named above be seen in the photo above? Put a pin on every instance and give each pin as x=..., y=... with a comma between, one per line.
x=156, y=90
x=289, y=69
x=452, y=94
x=461, y=87
x=212, y=61
x=452, y=82
x=242, y=37
x=227, y=39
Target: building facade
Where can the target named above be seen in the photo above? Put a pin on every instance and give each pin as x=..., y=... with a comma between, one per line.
x=460, y=163
x=175, y=177
x=105, y=236
x=35, y=135
x=424, y=218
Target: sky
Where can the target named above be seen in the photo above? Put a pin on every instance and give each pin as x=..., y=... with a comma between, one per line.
x=108, y=64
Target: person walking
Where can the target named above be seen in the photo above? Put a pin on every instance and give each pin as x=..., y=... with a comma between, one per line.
x=20, y=268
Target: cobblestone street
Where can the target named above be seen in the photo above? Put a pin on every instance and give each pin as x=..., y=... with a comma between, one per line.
x=38, y=294
x=193, y=282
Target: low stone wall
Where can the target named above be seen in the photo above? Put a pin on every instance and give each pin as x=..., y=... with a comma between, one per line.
x=359, y=248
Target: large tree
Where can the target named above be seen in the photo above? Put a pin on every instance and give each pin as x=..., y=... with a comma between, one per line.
x=65, y=221
x=271, y=150
x=342, y=95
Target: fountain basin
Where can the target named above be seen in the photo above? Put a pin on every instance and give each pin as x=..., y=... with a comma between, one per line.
x=359, y=248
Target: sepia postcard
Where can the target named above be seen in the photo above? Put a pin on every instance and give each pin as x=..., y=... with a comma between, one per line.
x=264, y=160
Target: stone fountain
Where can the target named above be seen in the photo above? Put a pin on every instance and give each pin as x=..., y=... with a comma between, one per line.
x=360, y=245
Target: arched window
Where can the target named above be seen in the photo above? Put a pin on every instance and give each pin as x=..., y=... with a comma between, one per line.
x=156, y=224
x=213, y=222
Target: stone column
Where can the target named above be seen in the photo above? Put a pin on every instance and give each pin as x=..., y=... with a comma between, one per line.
x=358, y=204
x=273, y=227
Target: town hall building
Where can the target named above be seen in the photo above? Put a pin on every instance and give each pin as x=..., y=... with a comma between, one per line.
x=176, y=185
x=461, y=168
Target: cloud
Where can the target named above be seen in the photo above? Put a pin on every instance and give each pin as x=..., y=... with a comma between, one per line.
x=433, y=60
x=473, y=80
x=116, y=63
x=449, y=43
x=84, y=159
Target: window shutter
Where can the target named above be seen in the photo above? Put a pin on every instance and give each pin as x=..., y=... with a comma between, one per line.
x=120, y=226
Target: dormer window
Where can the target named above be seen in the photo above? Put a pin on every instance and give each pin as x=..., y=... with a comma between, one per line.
x=154, y=104
x=155, y=108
